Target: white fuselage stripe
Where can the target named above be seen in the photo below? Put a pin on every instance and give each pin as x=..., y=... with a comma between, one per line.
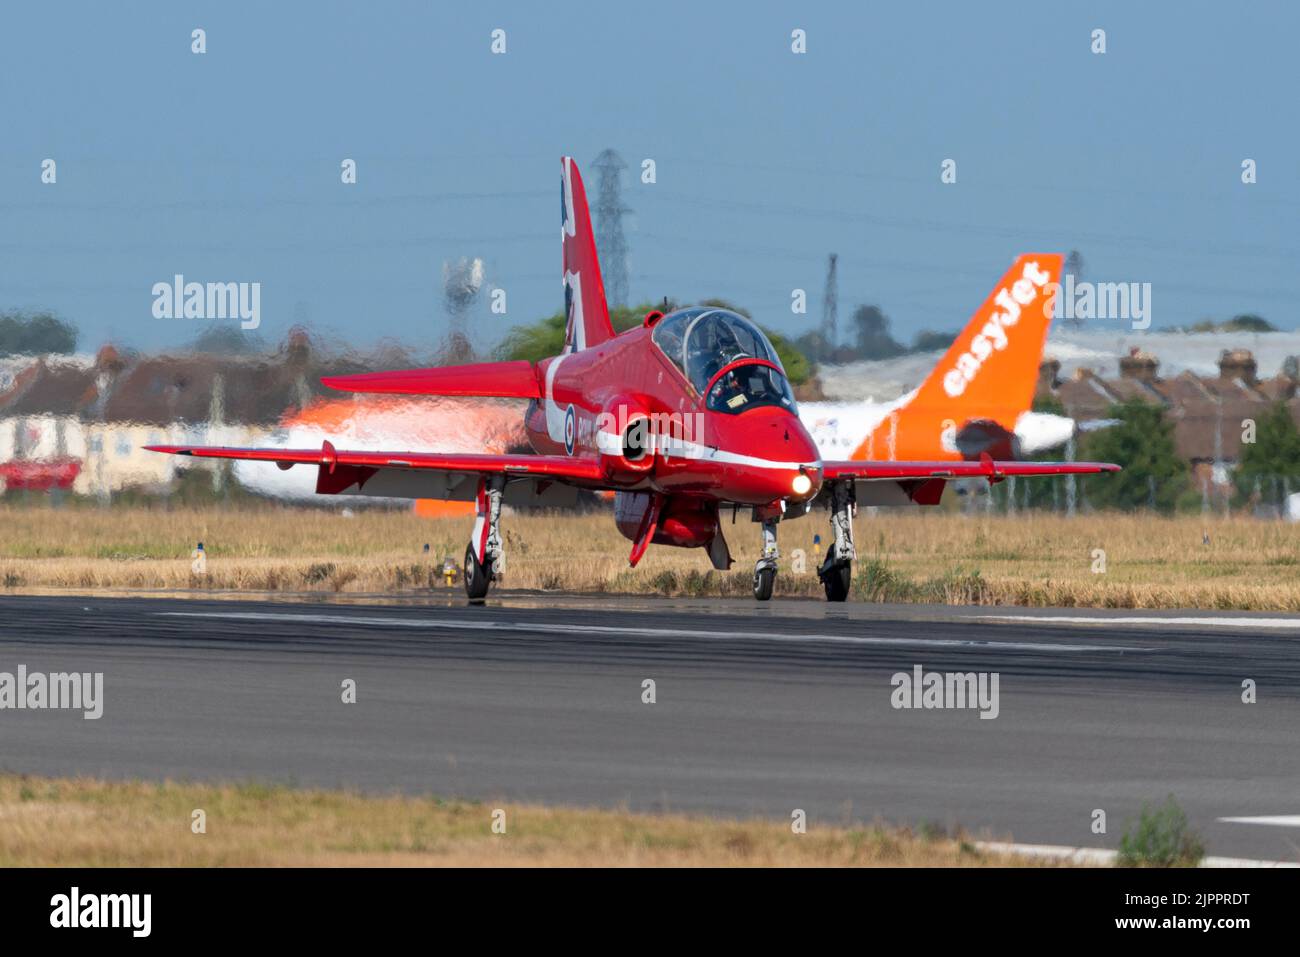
x=554, y=414
x=674, y=448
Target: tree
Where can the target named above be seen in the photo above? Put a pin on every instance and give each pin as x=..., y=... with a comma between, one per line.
x=623, y=318
x=31, y=334
x=535, y=341
x=227, y=340
x=928, y=341
x=872, y=331
x=814, y=345
x=1248, y=322
x=797, y=366
x=1275, y=453
x=1143, y=444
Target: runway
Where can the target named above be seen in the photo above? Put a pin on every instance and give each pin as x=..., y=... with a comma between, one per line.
x=758, y=710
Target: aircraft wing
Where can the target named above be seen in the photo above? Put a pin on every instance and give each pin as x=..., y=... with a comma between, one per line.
x=886, y=471
x=922, y=483
x=530, y=479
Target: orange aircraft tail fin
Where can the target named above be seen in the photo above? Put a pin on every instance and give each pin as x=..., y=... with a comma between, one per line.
x=986, y=379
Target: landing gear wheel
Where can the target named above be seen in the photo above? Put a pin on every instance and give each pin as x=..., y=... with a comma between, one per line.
x=477, y=578
x=764, y=579
x=836, y=577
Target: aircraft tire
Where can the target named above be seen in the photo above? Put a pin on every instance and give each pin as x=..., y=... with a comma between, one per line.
x=764, y=579
x=477, y=578
x=837, y=579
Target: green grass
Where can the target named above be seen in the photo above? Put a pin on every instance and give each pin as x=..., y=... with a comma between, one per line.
x=1160, y=837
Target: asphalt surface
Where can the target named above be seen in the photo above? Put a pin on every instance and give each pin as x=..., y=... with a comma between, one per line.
x=759, y=709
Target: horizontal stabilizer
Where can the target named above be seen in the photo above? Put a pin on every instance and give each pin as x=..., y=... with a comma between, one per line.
x=504, y=380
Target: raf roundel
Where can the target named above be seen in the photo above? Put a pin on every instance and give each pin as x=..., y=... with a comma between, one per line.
x=570, y=429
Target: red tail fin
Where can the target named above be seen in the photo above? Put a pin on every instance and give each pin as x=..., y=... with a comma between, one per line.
x=586, y=313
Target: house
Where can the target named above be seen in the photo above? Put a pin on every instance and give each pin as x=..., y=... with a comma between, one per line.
x=1210, y=413
x=101, y=414
x=42, y=442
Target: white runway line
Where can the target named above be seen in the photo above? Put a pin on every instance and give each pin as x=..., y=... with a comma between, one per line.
x=1100, y=857
x=467, y=624
x=1280, y=820
x=1288, y=623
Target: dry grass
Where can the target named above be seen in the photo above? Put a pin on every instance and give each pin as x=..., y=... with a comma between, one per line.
x=942, y=557
x=57, y=822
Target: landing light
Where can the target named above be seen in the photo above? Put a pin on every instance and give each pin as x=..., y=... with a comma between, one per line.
x=801, y=484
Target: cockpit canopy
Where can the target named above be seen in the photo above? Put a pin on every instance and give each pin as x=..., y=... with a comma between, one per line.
x=703, y=341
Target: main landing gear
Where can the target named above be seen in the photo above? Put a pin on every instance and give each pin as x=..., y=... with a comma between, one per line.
x=765, y=570
x=836, y=572
x=484, y=557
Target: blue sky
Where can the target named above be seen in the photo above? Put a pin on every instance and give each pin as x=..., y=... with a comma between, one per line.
x=225, y=166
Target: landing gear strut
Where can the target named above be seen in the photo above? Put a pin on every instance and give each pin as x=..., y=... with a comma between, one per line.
x=836, y=571
x=484, y=557
x=765, y=570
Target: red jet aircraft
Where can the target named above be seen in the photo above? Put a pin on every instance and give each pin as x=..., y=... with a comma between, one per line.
x=681, y=418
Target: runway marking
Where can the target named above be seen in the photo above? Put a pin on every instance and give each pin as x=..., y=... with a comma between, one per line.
x=1280, y=820
x=650, y=632
x=1291, y=623
x=1100, y=856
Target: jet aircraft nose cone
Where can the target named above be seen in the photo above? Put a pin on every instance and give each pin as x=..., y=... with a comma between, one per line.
x=771, y=456
x=806, y=480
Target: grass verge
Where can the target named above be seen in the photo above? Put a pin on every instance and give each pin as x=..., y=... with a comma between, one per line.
x=1107, y=561
x=92, y=822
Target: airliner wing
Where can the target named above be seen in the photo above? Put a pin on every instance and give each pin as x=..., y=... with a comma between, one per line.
x=922, y=483
x=530, y=479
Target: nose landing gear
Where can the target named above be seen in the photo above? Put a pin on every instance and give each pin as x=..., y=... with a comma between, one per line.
x=836, y=572
x=484, y=556
x=765, y=570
